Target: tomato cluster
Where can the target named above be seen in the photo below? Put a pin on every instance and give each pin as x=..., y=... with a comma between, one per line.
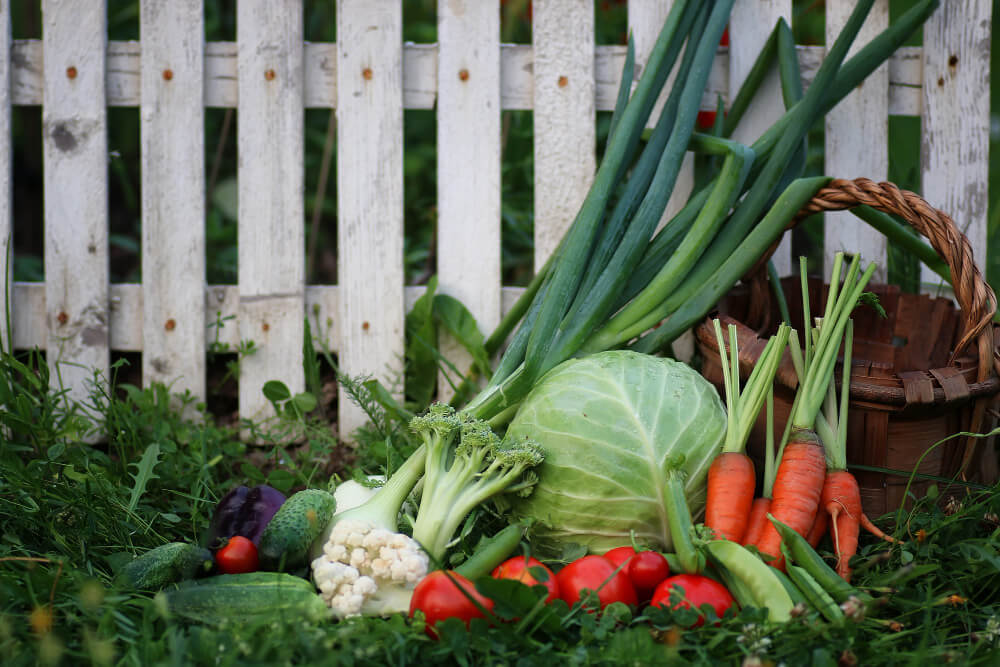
x=620, y=575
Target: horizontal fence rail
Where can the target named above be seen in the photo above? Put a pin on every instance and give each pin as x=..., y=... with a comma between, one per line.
x=420, y=78
x=270, y=75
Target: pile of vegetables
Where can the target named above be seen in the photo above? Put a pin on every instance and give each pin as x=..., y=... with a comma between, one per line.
x=581, y=439
x=650, y=415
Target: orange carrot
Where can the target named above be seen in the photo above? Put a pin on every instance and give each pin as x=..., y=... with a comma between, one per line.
x=761, y=506
x=731, y=480
x=797, y=488
x=758, y=517
x=731, y=477
x=819, y=526
x=842, y=501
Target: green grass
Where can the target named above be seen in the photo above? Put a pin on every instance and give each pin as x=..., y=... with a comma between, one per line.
x=72, y=513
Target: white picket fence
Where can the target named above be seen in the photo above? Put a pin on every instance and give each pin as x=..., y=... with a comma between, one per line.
x=269, y=75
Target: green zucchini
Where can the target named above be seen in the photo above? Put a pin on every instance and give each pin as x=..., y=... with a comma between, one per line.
x=285, y=541
x=246, y=598
x=166, y=564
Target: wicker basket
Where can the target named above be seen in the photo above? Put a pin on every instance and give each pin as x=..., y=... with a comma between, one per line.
x=925, y=372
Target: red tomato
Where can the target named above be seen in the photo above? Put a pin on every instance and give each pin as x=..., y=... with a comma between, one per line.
x=620, y=555
x=725, y=37
x=645, y=569
x=518, y=568
x=697, y=590
x=239, y=555
x=599, y=575
x=439, y=598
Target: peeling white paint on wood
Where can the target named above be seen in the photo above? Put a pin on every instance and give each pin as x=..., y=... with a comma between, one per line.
x=754, y=21
x=172, y=121
x=6, y=173
x=270, y=173
x=468, y=165
x=370, y=191
x=855, y=148
x=420, y=75
x=75, y=154
x=956, y=118
x=562, y=35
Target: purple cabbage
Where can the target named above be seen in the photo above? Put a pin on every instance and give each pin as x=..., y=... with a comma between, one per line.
x=244, y=511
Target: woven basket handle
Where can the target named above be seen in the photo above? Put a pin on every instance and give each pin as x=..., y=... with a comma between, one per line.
x=975, y=297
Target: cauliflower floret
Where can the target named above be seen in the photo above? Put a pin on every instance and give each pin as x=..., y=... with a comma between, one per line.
x=365, y=565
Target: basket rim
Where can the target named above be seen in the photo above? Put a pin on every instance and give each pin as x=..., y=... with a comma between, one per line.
x=976, y=299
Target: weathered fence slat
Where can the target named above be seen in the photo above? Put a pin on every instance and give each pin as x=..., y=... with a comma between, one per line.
x=468, y=163
x=857, y=148
x=753, y=22
x=271, y=235
x=75, y=153
x=562, y=35
x=172, y=122
x=370, y=194
x=956, y=118
x=6, y=168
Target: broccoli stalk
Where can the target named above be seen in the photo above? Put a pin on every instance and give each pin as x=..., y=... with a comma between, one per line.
x=460, y=478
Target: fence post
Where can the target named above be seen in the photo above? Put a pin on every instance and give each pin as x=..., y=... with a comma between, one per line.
x=172, y=124
x=468, y=164
x=562, y=34
x=271, y=210
x=857, y=141
x=956, y=118
x=370, y=195
x=75, y=154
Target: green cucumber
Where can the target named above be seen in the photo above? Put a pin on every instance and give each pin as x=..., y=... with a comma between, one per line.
x=285, y=542
x=246, y=598
x=166, y=564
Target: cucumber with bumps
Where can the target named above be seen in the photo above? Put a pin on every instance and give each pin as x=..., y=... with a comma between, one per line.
x=299, y=521
x=246, y=598
x=166, y=564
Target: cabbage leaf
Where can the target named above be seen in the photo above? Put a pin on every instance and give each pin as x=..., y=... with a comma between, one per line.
x=611, y=424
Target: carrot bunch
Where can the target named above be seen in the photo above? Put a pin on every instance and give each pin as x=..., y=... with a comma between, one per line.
x=731, y=477
x=801, y=475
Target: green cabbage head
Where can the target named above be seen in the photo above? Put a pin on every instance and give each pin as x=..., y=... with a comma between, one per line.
x=610, y=424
